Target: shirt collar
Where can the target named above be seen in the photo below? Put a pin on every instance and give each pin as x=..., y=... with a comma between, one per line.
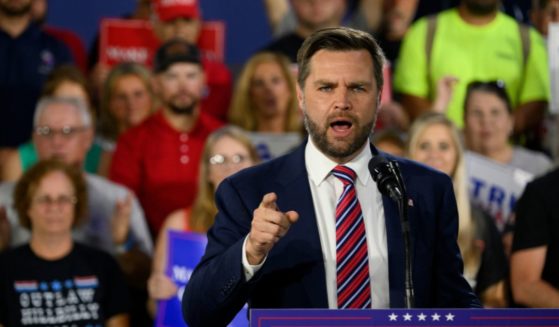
x=319, y=165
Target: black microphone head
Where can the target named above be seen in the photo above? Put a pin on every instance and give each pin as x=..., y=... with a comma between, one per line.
x=384, y=176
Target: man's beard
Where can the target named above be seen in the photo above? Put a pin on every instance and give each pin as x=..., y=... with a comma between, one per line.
x=320, y=138
x=15, y=11
x=481, y=8
x=182, y=108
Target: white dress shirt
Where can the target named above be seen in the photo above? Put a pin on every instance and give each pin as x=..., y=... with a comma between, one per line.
x=325, y=190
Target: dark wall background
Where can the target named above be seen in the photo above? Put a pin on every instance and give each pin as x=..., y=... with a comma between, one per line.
x=247, y=27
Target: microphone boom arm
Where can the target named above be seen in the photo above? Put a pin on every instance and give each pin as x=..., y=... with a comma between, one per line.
x=405, y=223
x=386, y=173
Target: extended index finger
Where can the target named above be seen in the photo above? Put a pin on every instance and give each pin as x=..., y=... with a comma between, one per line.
x=269, y=201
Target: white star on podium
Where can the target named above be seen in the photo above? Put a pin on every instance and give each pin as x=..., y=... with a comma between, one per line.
x=393, y=317
x=421, y=317
x=449, y=317
x=435, y=317
x=407, y=317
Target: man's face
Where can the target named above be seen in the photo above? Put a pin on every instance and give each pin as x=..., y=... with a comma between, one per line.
x=187, y=29
x=15, y=8
x=339, y=101
x=180, y=87
x=316, y=14
x=60, y=133
x=482, y=7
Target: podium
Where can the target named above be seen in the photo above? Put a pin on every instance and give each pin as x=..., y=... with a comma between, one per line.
x=404, y=317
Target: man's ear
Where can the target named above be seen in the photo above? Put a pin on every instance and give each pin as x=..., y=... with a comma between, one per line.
x=300, y=97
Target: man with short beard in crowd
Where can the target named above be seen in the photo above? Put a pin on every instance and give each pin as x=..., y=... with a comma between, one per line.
x=159, y=159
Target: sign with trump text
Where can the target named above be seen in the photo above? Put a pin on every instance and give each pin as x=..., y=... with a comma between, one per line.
x=495, y=187
x=127, y=40
x=131, y=40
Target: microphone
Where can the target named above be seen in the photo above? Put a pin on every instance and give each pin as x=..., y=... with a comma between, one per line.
x=390, y=183
x=387, y=176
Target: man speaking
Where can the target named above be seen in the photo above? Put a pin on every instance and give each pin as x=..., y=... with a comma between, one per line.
x=310, y=229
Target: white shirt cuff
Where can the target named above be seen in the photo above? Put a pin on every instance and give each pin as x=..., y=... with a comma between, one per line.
x=249, y=269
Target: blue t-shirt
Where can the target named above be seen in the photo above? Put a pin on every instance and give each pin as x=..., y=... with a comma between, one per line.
x=25, y=62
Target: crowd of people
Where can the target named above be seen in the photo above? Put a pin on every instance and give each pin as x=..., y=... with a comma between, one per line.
x=98, y=163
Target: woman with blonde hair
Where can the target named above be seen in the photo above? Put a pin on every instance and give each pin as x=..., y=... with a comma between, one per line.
x=434, y=140
x=265, y=96
x=226, y=151
x=127, y=99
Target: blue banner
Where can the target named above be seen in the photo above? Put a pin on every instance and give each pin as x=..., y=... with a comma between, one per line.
x=405, y=317
x=185, y=249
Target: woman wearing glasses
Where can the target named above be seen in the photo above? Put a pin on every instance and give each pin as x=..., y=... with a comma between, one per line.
x=226, y=151
x=488, y=126
x=53, y=280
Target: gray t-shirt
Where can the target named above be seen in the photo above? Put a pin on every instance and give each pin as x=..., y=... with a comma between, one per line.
x=531, y=161
x=96, y=230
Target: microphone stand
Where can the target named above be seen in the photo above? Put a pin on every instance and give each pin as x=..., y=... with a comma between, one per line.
x=405, y=223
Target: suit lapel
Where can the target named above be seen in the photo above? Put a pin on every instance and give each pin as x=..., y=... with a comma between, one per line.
x=296, y=195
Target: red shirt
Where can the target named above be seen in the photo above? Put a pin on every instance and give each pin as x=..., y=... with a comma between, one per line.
x=161, y=164
x=217, y=99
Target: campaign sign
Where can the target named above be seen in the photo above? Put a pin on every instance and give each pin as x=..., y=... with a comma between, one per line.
x=185, y=249
x=495, y=187
x=127, y=40
x=212, y=40
x=133, y=40
x=405, y=317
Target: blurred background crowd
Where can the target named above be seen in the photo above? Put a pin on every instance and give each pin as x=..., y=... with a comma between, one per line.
x=98, y=162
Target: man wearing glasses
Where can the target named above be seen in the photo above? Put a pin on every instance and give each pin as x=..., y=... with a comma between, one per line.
x=63, y=130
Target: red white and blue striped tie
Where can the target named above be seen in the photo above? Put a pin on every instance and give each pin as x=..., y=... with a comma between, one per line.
x=352, y=259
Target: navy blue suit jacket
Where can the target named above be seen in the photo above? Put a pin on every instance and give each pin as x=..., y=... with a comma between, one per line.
x=293, y=275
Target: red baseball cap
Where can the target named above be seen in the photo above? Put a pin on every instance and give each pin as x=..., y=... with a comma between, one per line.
x=167, y=10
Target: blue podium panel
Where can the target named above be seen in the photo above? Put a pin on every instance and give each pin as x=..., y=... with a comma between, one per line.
x=404, y=317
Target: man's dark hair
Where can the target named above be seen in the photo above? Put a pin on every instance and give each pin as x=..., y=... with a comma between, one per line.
x=339, y=39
